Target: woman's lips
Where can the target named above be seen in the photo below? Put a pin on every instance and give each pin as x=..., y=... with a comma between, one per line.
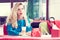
x=20, y=13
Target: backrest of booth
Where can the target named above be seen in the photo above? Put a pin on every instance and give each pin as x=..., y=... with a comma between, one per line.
x=57, y=22
x=5, y=30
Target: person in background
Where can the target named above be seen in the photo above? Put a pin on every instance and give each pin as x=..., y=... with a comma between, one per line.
x=52, y=22
x=18, y=21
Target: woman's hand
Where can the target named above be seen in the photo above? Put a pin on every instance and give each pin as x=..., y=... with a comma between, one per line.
x=22, y=33
x=26, y=33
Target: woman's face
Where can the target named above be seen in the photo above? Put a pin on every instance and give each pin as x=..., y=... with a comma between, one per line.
x=20, y=10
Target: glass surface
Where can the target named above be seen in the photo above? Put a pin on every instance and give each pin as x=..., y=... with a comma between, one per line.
x=36, y=9
x=24, y=29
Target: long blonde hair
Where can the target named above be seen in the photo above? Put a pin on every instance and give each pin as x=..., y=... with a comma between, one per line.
x=13, y=17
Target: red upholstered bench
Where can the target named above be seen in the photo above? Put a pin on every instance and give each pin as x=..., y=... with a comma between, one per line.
x=54, y=32
x=5, y=30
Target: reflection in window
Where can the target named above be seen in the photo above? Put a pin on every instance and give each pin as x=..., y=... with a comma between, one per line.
x=36, y=8
x=43, y=1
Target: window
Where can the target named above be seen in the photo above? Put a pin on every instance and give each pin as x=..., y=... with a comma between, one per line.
x=36, y=9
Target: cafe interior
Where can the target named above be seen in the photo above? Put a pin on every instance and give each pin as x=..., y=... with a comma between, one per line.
x=39, y=11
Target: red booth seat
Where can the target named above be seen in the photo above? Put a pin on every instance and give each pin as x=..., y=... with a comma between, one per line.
x=55, y=32
x=5, y=30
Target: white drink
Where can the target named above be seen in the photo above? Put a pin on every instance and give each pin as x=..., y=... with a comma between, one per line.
x=23, y=29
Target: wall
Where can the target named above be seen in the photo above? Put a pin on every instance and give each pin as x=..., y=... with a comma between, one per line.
x=54, y=9
x=5, y=9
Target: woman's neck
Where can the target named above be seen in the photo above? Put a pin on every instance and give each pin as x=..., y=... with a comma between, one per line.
x=20, y=17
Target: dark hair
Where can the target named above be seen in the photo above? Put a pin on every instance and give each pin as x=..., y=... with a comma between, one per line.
x=52, y=18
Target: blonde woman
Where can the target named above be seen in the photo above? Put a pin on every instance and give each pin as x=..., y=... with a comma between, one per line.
x=17, y=20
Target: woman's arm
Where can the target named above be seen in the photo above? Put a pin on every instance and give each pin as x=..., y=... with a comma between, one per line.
x=28, y=30
x=12, y=30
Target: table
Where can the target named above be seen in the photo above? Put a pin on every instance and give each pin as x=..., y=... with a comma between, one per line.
x=6, y=37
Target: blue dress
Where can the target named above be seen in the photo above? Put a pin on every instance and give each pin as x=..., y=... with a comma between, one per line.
x=16, y=31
